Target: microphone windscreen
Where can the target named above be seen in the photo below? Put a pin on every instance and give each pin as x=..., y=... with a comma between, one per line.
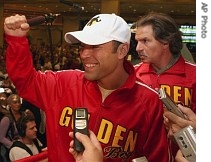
x=36, y=20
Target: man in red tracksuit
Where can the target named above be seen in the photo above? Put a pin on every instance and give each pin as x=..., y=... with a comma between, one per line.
x=159, y=47
x=126, y=115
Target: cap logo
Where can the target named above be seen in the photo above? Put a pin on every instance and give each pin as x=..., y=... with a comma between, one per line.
x=93, y=21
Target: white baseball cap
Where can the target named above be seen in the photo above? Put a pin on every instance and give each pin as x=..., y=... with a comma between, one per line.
x=102, y=28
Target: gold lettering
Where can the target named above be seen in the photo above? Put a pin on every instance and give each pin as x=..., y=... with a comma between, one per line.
x=117, y=136
x=105, y=131
x=177, y=93
x=131, y=141
x=188, y=94
x=167, y=89
x=65, y=116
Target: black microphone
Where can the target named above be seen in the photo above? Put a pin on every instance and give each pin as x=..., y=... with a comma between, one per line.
x=75, y=5
x=47, y=18
x=66, y=2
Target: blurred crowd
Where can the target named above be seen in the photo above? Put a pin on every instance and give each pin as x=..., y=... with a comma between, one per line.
x=12, y=109
x=48, y=58
x=12, y=106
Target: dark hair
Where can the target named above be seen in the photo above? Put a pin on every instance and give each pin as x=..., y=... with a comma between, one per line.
x=116, y=44
x=165, y=30
x=21, y=123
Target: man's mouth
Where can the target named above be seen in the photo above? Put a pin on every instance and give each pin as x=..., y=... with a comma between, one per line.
x=89, y=65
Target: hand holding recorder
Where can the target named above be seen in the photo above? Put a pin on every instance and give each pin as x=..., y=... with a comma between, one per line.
x=93, y=150
x=186, y=140
x=181, y=122
x=177, y=116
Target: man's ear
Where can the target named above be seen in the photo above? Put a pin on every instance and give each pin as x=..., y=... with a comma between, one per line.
x=123, y=50
x=165, y=45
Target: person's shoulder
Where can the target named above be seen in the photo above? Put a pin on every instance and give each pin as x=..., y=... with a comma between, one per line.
x=9, y=116
x=17, y=153
x=144, y=88
x=149, y=97
x=38, y=144
x=143, y=68
x=6, y=117
x=190, y=69
x=64, y=76
x=190, y=64
x=62, y=72
x=19, y=145
x=185, y=66
x=187, y=63
x=70, y=73
x=15, y=148
x=139, y=65
x=1, y=115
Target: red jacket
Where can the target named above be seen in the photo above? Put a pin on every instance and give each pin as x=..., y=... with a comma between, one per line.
x=179, y=81
x=128, y=124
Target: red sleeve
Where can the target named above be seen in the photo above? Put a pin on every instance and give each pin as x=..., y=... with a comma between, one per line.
x=156, y=146
x=28, y=82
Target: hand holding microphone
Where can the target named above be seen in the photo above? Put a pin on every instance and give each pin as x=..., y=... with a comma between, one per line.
x=18, y=25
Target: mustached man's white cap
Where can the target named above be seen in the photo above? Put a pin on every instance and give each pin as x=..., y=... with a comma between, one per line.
x=101, y=29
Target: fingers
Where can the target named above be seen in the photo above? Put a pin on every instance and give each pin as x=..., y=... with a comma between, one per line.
x=71, y=149
x=16, y=22
x=176, y=119
x=71, y=143
x=16, y=26
x=90, y=142
x=84, y=139
x=188, y=112
x=191, y=116
x=71, y=134
x=170, y=133
x=166, y=122
x=175, y=123
x=93, y=151
x=170, y=117
x=179, y=157
x=95, y=141
x=175, y=128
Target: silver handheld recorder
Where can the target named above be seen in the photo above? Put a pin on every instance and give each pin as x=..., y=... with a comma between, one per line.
x=169, y=103
x=186, y=140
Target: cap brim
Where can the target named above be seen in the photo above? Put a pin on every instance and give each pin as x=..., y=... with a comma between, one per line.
x=84, y=37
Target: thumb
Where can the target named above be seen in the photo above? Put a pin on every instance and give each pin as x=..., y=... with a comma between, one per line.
x=25, y=26
x=187, y=111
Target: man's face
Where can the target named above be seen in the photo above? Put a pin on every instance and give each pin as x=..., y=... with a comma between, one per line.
x=31, y=130
x=99, y=61
x=149, y=49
